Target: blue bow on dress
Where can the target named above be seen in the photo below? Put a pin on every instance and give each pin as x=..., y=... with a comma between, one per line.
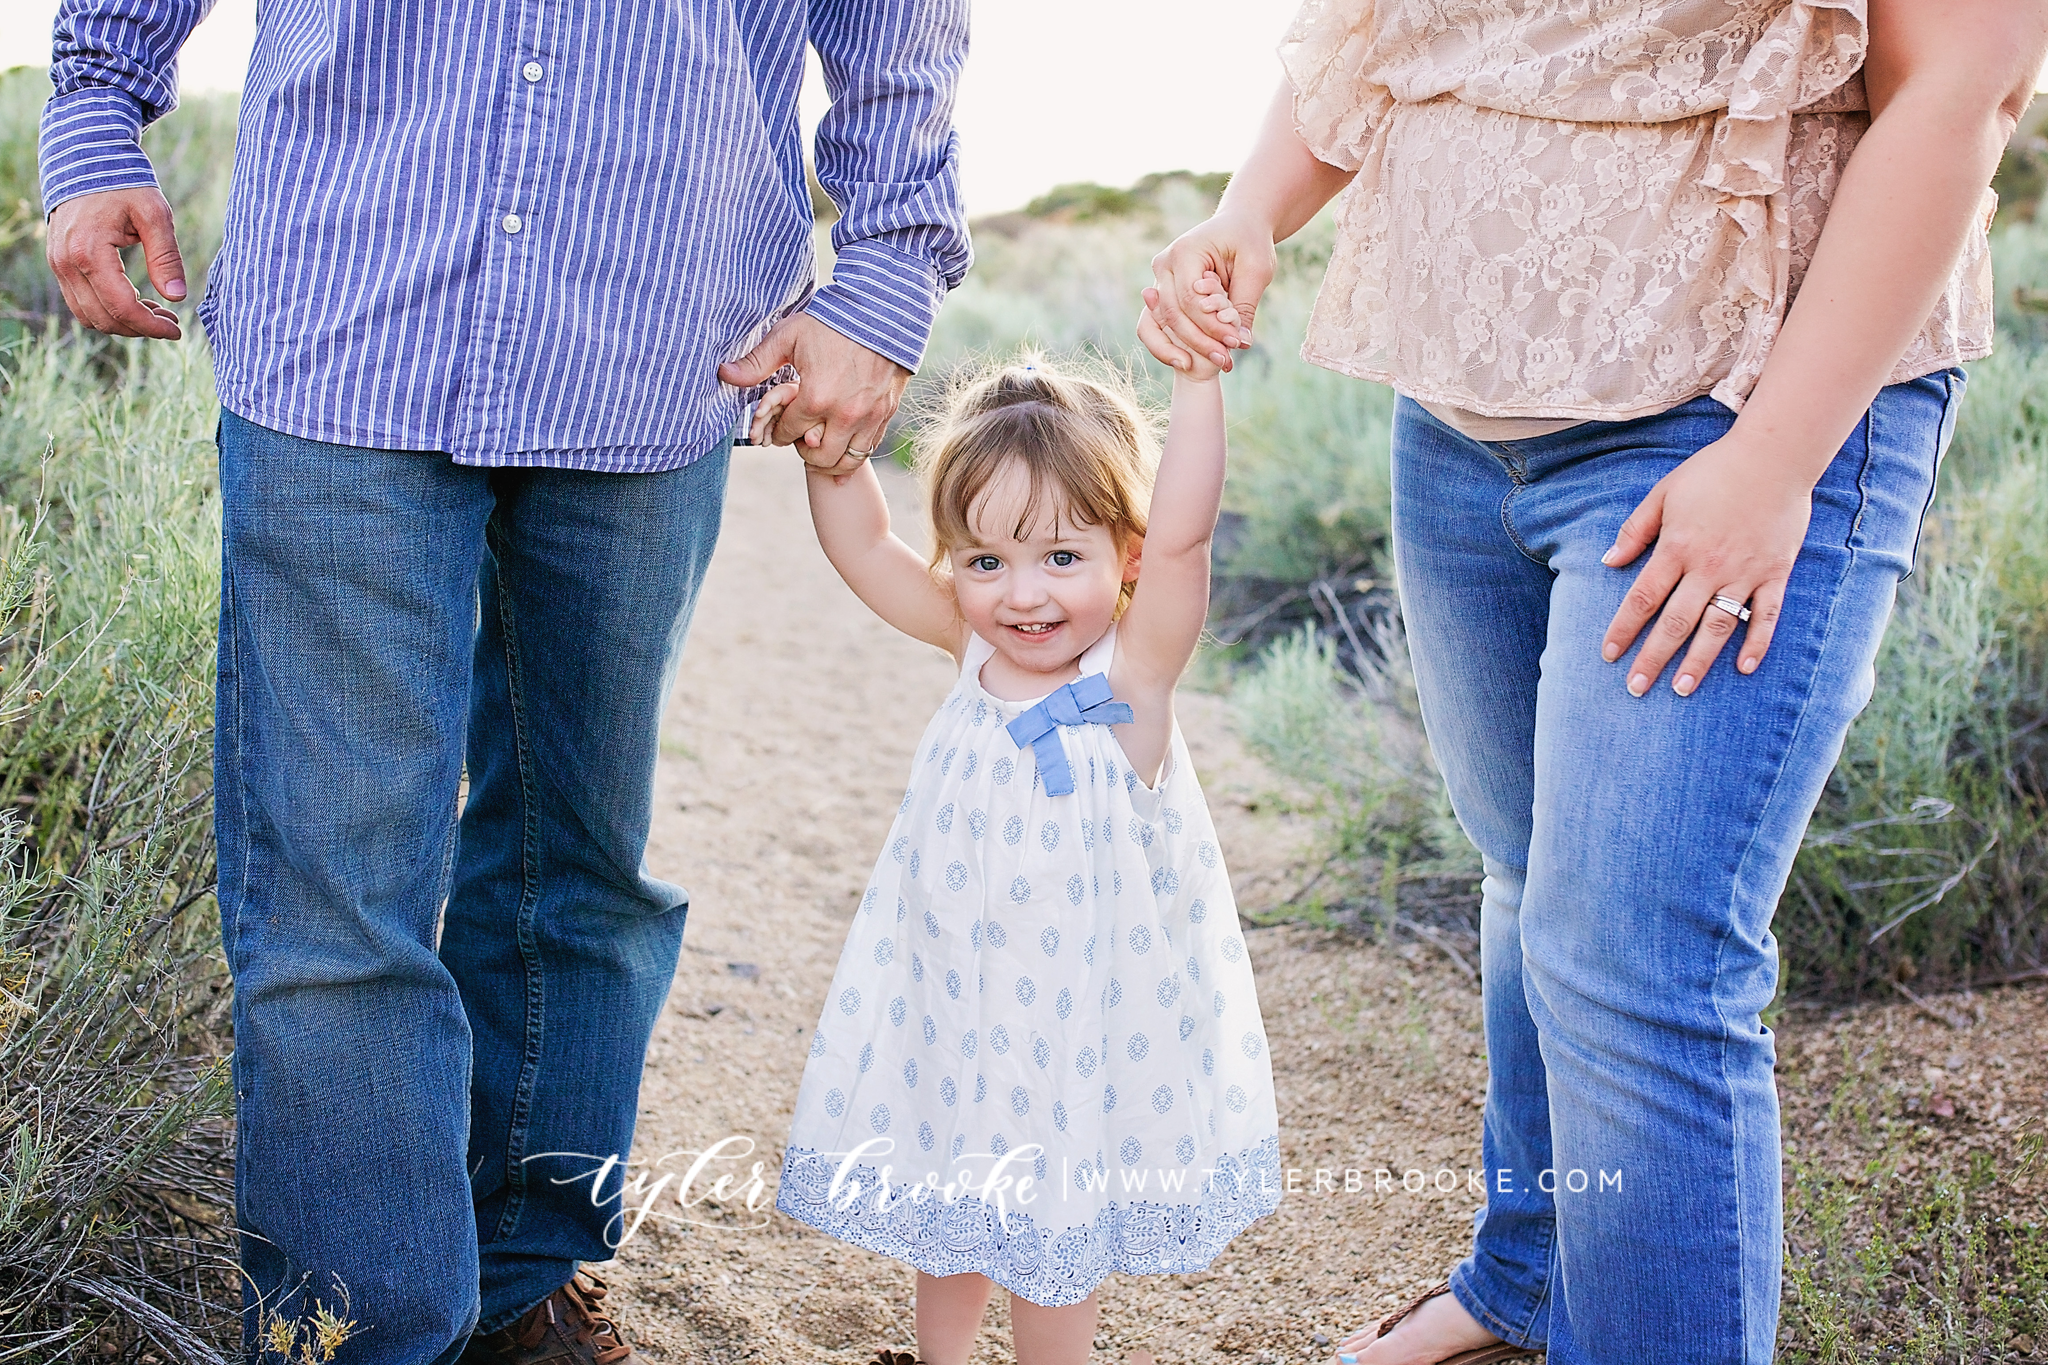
x=1083, y=701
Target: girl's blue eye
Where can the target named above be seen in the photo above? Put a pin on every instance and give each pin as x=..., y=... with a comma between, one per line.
x=1063, y=558
x=986, y=563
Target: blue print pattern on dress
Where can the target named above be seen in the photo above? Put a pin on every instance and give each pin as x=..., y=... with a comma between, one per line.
x=1057, y=1038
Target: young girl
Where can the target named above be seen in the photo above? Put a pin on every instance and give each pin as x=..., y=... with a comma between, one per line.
x=1041, y=1060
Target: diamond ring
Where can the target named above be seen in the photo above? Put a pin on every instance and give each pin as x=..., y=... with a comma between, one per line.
x=1731, y=606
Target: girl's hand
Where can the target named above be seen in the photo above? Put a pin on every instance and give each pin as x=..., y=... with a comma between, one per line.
x=1230, y=248
x=1728, y=522
x=769, y=407
x=1212, y=303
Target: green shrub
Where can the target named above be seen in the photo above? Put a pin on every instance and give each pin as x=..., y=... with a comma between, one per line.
x=115, y=1140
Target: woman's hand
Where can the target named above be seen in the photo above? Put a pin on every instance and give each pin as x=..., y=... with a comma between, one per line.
x=1728, y=522
x=1212, y=304
x=1185, y=321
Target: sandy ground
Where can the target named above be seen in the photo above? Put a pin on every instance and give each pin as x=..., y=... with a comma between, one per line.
x=793, y=722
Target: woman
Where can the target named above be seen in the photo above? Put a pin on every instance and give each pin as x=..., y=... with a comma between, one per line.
x=1572, y=238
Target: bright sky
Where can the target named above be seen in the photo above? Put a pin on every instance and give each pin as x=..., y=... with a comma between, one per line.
x=1056, y=90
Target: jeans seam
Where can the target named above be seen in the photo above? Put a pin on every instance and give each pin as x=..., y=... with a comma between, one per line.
x=1862, y=474
x=1951, y=397
x=1507, y=521
x=1744, y=1236
x=529, y=896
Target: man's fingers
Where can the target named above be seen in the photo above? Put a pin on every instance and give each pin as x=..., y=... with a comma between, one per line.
x=160, y=250
x=1765, y=604
x=856, y=423
x=121, y=305
x=777, y=349
x=83, y=303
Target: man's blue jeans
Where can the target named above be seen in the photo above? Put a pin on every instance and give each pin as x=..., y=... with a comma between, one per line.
x=385, y=615
x=1634, y=853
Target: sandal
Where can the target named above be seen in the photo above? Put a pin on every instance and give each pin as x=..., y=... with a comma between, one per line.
x=889, y=1355
x=1481, y=1355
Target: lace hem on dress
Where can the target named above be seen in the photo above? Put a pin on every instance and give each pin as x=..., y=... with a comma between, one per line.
x=1049, y=1264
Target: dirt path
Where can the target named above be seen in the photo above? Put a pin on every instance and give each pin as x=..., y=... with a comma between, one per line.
x=794, y=718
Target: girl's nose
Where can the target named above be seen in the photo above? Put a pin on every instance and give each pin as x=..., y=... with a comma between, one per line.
x=1023, y=591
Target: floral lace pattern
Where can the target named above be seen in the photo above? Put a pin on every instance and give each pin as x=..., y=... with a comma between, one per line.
x=1036, y=1258
x=1585, y=208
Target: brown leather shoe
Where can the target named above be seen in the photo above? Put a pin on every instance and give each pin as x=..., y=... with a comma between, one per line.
x=568, y=1327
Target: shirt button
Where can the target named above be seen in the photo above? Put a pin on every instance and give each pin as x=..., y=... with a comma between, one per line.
x=532, y=71
x=511, y=222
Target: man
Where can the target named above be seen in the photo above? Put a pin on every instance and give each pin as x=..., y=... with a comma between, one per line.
x=482, y=261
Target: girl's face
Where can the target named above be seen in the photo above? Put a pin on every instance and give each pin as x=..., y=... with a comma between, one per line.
x=1041, y=600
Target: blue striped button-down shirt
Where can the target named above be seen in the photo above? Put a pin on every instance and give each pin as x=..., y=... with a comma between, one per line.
x=525, y=232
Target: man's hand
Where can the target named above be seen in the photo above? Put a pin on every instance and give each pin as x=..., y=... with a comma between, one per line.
x=845, y=397
x=85, y=241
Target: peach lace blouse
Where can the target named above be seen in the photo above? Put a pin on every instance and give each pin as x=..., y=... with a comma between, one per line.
x=1585, y=208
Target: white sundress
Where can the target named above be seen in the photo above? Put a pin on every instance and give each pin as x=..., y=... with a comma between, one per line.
x=1045, y=1004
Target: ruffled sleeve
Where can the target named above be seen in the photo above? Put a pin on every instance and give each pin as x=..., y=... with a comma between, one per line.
x=1338, y=103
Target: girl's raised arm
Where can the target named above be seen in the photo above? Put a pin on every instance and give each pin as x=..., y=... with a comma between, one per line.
x=1161, y=627
x=852, y=519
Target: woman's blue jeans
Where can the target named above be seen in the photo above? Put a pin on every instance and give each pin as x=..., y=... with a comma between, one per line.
x=385, y=615
x=1634, y=850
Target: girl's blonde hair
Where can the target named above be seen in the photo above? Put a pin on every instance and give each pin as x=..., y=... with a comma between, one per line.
x=1085, y=440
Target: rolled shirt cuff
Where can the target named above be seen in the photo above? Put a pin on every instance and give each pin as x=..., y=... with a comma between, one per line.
x=92, y=141
x=883, y=298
